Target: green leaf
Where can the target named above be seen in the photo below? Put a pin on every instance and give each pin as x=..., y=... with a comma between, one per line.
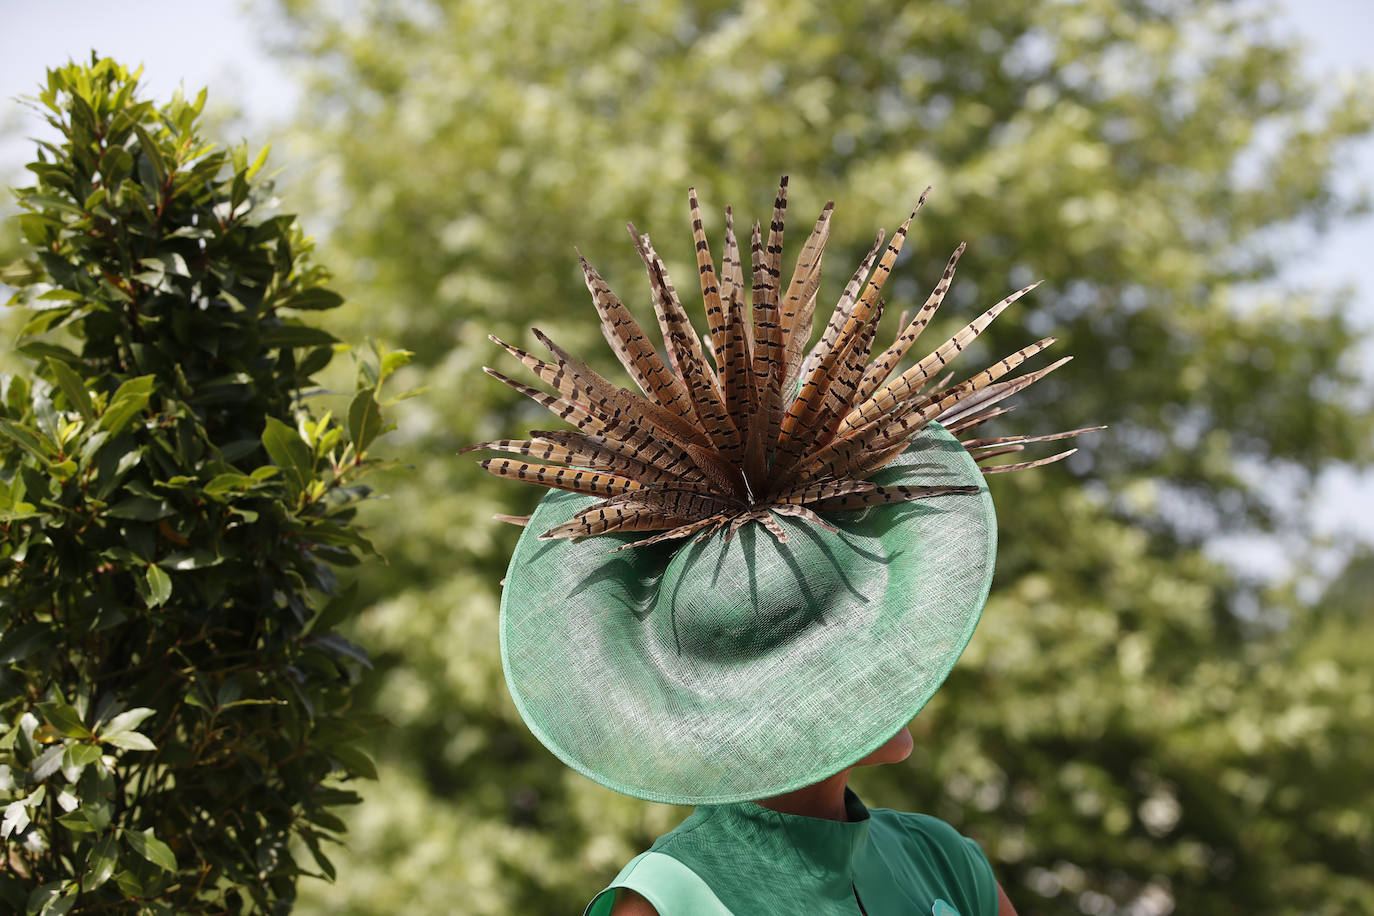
x=128, y=884
x=314, y=361
x=80, y=755
x=45, y=320
x=101, y=862
x=65, y=719
x=128, y=720
x=364, y=420
x=73, y=387
x=22, y=641
x=357, y=762
x=28, y=439
x=296, y=335
x=61, y=295
x=314, y=299
x=47, y=763
x=41, y=349
x=159, y=585
x=128, y=400
x=131, y=741
x=393, y=361
x=258, y=162
x=290, y=453
x=141, y=508
x=312, y=842
x=16, y=818
x=151, y=154
x=77, y=821
x=190, y=559
x=53, y=899
x=335, y=610
x=328, y=820
x=221, y=484
x=152, y=849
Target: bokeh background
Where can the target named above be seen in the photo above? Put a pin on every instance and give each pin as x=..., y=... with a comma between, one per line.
x=1170, y=704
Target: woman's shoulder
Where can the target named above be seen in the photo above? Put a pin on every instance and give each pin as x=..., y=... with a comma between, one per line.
x=649, y=883
x=915, y=826
x=629, y=903
x=938, y=852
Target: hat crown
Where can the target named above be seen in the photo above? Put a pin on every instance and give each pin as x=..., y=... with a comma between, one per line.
x=737, y=600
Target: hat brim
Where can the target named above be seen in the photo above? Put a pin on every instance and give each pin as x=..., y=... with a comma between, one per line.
x=594, y=654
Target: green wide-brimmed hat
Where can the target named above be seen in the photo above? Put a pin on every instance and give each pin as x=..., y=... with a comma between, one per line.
x=732, y=593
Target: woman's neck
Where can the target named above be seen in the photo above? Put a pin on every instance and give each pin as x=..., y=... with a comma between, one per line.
x=824, y=799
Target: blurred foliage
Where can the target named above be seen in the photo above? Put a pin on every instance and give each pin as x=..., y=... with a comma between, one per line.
x=177, y=720
x=1134, y=729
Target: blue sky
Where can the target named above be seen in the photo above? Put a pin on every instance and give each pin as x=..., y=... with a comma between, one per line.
x=168, y=37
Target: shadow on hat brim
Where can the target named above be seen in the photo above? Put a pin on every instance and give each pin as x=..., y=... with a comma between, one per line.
x=720, y=671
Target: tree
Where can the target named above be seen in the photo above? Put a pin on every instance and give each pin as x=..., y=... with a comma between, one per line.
x=177, y=728
x=1122, y=734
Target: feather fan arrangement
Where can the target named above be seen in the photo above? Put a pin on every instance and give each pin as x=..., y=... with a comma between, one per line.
x=714, y=440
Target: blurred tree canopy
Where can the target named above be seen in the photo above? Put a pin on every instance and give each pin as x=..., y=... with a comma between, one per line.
x=1134, y=730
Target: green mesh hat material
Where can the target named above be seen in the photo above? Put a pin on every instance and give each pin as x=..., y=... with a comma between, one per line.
x=724, y=671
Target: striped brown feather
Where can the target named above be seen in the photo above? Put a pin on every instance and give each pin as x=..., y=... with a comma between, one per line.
x=737, y=374
x=848, y=299
x=768, y=330
x=732, y=275
x=705, y=526
x=994, y=393
x=964, y=424
x=574, y=453
x=880, y=274
x=1027, y=465
x=802, y=512
x=669, y=312
x=632, y=405
x=882, y=367
x=889, y=395
x=873, y=445
x=710, y=286
x=916, y=414
x=668, y=502
x=613, y=520
x=563, y=409
x=632, y=347
x=824, y=490
x=856, y=316
x=575, y=480
x=799, y=303
x=882, y=496
x=669, y=462
x=681, y=340
x=814, y=414
x=973, y=444
x=997, y=452
x=769, y=522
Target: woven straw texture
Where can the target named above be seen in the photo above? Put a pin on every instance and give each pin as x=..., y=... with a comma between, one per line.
x=720, y=671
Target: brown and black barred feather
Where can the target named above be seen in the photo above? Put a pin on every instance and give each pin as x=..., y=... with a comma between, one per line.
x=761, y=428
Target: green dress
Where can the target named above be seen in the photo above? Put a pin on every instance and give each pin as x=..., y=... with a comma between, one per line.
x=747, y=860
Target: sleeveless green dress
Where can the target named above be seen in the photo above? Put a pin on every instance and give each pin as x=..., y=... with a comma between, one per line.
x=747, y=860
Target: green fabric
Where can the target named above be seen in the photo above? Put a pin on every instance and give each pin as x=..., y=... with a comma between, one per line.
x=759, y=862
x=726, y=670
x=666, y=883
